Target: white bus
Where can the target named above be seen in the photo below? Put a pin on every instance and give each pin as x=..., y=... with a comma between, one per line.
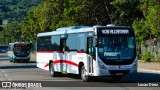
x=19, y=51
x=88, y=51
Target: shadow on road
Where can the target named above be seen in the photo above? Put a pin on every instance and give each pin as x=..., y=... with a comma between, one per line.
x=26, y=62
x=18, y=67
x=128, y=81
x=32, y=62
x=141, y=77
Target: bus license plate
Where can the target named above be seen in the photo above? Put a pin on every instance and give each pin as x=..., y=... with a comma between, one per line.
x=119, y=74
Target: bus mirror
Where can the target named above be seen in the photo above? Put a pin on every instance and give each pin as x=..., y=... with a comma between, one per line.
x=96, y=42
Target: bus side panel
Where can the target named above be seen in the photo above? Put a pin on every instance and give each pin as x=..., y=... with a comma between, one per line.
x=57, y=61
x=43, y=60
x=72, y=65
x=74, y=59
x=83, y=57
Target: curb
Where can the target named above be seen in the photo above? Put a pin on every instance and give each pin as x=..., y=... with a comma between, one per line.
x=149, y=70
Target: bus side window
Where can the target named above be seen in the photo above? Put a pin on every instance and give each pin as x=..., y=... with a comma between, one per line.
x=81, y=42
x=71, y=42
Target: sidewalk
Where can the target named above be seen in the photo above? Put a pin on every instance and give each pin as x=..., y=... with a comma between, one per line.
x=149, y=66
x=33, y=56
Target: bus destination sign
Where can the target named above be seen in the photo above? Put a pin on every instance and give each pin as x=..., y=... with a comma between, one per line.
x=115, y=31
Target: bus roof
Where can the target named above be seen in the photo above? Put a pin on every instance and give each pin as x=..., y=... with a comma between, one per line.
x=20, y=43
x=64, y=30
x=75, y=29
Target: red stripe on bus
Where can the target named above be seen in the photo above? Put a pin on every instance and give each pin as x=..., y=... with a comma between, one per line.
x=62, y=61
x=45, y=51
x=46, y=65
x=65, y=61
x=80, y=52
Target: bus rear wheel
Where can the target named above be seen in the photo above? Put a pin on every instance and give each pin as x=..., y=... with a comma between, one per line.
x=84, y=75
x=52, y=71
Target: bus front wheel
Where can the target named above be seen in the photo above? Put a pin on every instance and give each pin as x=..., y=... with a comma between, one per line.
x=14, y=61
x=84, y=75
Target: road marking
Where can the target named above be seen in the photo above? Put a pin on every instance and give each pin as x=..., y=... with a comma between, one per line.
x=149, y=70
x=5, y=75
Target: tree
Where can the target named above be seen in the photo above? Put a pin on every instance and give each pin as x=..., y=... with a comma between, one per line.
x=148, y=29
x=10, y=33
x=126, y=11
x=1, y=23
x=16, y=10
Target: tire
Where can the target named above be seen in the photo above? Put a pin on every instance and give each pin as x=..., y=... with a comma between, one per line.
x=52, y=71
x=84, y=77
x=117, y=78
x=14, y=61
x=10, y=60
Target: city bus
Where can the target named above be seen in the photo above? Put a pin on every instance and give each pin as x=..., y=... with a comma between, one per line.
x=3, y=48
x=88, y=51
x=19, y=52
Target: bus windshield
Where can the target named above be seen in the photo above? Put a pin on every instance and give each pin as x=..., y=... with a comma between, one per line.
x=21, y=51
x=116, y=48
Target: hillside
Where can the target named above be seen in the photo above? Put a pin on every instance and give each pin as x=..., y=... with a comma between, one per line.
x=16, y=10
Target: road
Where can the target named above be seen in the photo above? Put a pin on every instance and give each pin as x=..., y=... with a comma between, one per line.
x=28, y=72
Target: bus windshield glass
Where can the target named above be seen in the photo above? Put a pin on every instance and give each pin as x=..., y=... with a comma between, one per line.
x=116, y=48
x=21, y=50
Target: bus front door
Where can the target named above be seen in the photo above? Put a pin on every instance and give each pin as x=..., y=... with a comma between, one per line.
x=90, y=52
x=63, y=61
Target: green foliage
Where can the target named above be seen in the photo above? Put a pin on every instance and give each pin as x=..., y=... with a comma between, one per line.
x=1, y=24
x=148, y=27
x=126, y=11
x=10, y=33
x=147, y=57
x=16, y=10
x=142, y=15
x=52, y=14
